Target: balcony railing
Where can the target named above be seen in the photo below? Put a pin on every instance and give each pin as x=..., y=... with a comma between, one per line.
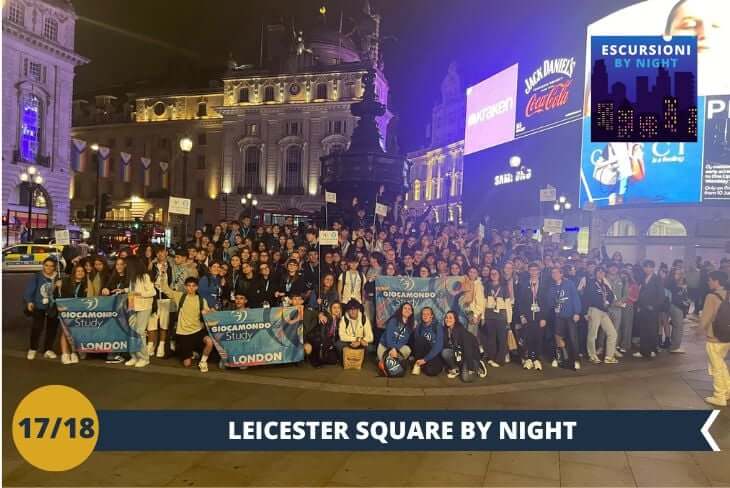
x=40, y=160
x=253, y=189
x=291, y=190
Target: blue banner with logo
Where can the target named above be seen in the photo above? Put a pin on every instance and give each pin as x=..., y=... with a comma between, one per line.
x=98, y=324
x=441, y=294
x=257, y=336
x=400, y=430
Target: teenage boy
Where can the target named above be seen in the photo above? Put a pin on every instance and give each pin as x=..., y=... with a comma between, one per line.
x=651, y=297
x=599, y=297
x=533, y=310
x=564, y=300
x=354, y=330
x=352, y=282
x=716, y=348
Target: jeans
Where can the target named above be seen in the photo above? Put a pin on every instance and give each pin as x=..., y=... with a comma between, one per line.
x=626, y=327
x=138, y=321
x=404, y=351
x=716, y=352
x=567, y=329
x=493, y=337
x=598, y=318
x=41, y=321
x=677, y=317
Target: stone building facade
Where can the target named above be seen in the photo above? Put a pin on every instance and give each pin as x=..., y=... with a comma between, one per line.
x=38, y=74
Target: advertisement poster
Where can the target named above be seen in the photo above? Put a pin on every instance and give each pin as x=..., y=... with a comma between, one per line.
x=716, y=171
x=644, y=88
x=258, y=336
x=490, y=111
x=98, y=324
x=441, y=294
x=549, y=94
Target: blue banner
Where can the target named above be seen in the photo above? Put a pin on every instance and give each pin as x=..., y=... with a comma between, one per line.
x=98, y=324
x=424, y=430
x=441, y=294
x=257, y=336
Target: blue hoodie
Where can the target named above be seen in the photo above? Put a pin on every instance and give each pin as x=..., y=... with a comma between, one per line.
x=434, y=334
x=565, y=295
x=396, y=334
x=38, y=290
x=209, y=288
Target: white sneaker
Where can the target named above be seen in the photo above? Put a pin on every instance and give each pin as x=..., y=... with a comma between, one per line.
x=172, y=346
x=637, y=355
x=160, y=350
x=507, y=359
x=618, y=354
x=65, y=359
x=49, y=355
x=416, y=369
x=203, y=366
x=31, y=355
x=679, y=350
x=554, y=364
x=150, y=348
x=537, y=364
x=141, y=363
x=482, y=369
x=653, y=354
x=718, y=402
x=453, y=373
x=493, y=364
x=131, y=362
x=74, y=358
x=82, y=355
x=527, y=364
x=594, y=359
x=610, y=360
x=576, y=365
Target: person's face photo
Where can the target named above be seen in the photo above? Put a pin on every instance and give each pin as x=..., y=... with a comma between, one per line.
x=708, y=20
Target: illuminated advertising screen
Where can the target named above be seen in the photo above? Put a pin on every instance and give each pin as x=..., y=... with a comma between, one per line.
x=490, y=111
x=613, y=173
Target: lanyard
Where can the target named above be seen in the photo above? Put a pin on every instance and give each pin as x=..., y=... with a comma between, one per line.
x=494, y=293
x=76, y=290
x=534, y=287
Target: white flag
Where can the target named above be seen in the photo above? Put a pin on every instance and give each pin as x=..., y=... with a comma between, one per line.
x=330, y=197
x=381, y=209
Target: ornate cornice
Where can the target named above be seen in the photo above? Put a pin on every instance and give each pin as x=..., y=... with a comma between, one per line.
x=43, y=44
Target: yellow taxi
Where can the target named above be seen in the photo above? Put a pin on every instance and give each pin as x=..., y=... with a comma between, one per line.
x=30, y=257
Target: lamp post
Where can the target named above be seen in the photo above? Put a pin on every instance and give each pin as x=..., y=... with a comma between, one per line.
x=186, y=145
x=33, y=181
x=447, y=181
x=225, y=204
x=251, y=202
x=562, y=204
x=97, y=204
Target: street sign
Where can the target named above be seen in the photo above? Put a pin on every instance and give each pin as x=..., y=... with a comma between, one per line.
x=328, y=238
x=330, y=197
x=553, y=226
x=381, y=209
x=548, y=194
x=179, y=206
x=63, y=238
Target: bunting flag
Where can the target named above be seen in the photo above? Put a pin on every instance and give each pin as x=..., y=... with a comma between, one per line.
x=146, y=162
x=126, y=158
x=164, y=176
x=104, y=161
x=79, y=156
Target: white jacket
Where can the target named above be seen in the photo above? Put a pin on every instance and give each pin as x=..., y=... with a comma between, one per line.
x=352, y=330
x=478, y=304
x=147, y=292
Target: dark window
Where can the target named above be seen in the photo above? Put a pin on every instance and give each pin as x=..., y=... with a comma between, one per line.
x=293, y=167
x=252, y=129
x=50, y=29
x=202, y=139
x=163, y=143
x=200, y=188
x=269, y=94
x=293, y=128
x=202, y=109
x=16, y=13
x=322, y=91
x=243, y=95
x=36, y=72
x=337, y=149
x=201, y=161
x=251, y=169
x=337, y=127
x=159, y=109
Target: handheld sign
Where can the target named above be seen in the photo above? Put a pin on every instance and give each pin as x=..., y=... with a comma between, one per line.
x=328, y=237
x=553, y=226
x=381, y=209
x=179, y=206
x=62, y=237
x=548, y=194
x=330, y=197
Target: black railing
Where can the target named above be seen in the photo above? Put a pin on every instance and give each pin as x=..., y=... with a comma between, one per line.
x=40, y=160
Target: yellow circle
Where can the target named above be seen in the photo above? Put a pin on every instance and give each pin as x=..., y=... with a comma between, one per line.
x=55, y=428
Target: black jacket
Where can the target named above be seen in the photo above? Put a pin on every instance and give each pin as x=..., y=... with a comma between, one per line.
x=598, y=295
x=524, y=301
x=651, y=294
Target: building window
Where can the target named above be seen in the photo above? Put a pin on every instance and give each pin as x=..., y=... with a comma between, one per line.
x=337, y=149
x=252, y=129
x=50, y=29
x=128, y=142
x=163, y=143
x=200, y=188
x=16, y=13
x=322, y=91
x=251, y=168
x=35, y=72
x=159, y=109
x=336, y=127
x=243, y=96
x=621, y=228
x=202, y=139
x=667, y=228
x=293, y=167
x=417, y=190
x=31, y=126
x=269, y=94
x=201, y=161
x=293, y=128
x=202, y=109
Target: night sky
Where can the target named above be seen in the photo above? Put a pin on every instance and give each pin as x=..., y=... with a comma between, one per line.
x=424, y=36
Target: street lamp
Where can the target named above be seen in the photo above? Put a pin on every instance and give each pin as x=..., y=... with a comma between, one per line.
x=33, y=181
x=250, y=202
x=562, y=204
x=97, y=204
x=186, y=145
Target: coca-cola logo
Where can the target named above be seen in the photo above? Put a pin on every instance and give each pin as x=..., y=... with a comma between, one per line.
x=555, y=97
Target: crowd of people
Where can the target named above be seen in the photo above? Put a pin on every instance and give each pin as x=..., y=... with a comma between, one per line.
x=531, y=303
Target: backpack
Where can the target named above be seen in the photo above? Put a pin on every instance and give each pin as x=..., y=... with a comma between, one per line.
x=200, y=303
x=395, y=367
x=721, y=324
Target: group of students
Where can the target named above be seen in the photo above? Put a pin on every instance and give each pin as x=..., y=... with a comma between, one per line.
x=530, y=302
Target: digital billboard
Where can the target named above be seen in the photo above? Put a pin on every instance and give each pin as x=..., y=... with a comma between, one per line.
x=490, y=111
